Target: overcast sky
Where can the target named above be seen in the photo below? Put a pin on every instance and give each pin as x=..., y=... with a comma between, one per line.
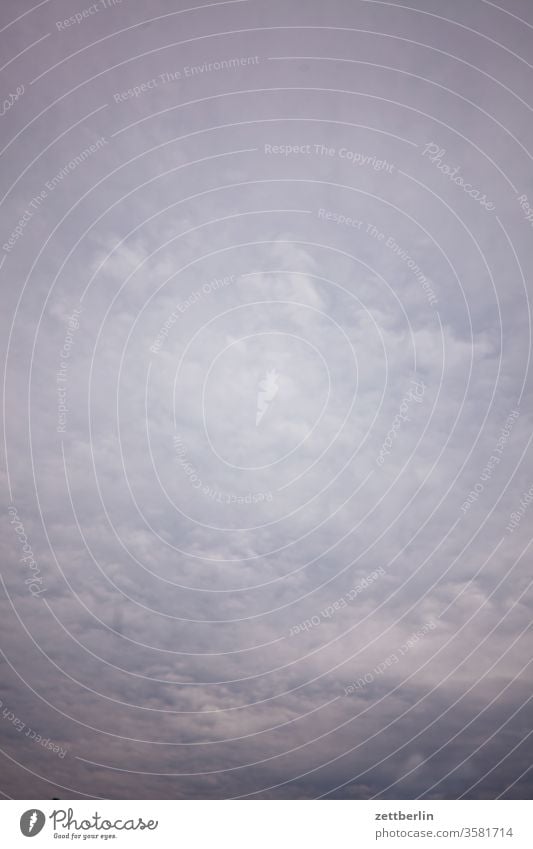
x=267, y=481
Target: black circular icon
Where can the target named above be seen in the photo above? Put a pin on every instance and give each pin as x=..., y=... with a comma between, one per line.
x=32, y=822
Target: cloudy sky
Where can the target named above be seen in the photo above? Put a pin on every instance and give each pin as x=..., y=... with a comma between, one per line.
x=266, y=479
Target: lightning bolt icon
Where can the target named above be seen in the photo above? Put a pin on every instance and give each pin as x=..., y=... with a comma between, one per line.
x=33, y=820
x=268, y=389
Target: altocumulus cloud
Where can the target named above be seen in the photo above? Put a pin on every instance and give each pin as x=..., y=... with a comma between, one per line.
x=180, y=536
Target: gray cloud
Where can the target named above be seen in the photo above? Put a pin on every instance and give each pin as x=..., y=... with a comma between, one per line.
x=266, y=235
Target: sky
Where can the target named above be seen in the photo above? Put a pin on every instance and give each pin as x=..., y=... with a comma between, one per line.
x=266, y=433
